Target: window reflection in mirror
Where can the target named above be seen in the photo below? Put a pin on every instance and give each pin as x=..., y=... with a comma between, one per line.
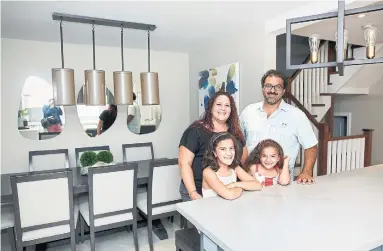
x=96, y=119
x=39, y=118
x=143, y=119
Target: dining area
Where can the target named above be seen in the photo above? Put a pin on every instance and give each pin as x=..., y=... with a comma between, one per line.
x=58, y=204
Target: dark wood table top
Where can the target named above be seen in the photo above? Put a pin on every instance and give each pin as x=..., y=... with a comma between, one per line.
x=80, y=182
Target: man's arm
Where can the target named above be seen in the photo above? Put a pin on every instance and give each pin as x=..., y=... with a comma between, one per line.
x=309, y=142
x=309, y=161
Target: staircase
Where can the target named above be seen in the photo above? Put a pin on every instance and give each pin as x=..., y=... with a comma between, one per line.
x=308, y=90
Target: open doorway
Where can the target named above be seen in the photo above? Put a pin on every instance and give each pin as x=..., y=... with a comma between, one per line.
x=342, y=124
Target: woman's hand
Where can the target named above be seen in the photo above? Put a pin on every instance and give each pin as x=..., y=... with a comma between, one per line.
x=195, y=195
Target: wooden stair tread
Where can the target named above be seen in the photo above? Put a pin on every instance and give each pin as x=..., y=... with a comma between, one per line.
x=317, y=105
x=326, y=94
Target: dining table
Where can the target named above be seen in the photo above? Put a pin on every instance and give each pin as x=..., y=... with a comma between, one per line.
x=341, y=211
x=80, y=187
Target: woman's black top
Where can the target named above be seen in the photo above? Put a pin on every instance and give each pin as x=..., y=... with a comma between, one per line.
x=196, y=138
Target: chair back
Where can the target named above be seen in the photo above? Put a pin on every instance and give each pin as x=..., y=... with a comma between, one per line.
x=81, y=150
x=47, y=135
x=42, y=200
x=48, y=160
x=112, y=189
x=164, y=180
x=137, y=152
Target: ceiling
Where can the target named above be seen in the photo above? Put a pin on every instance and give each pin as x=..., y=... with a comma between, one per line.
x=327, y=28
x=181, y=26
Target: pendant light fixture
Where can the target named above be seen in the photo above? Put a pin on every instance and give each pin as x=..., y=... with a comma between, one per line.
x=63, y=80
x=370, y=34
x=314, y=42
x=123, y=81
x=149, y=84
x=94, y=82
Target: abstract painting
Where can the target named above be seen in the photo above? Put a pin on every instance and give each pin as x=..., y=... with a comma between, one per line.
x=225, y=77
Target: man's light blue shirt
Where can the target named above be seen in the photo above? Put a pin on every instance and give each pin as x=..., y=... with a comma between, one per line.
x=288, y=125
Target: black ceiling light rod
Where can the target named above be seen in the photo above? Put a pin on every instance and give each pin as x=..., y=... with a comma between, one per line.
x=102, y=22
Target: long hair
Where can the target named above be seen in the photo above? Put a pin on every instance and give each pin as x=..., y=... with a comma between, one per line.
x=255, y=155
x=232, y=121
x=210, y=160
x=113, y=109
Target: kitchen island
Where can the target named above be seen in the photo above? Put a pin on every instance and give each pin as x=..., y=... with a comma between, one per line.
x=342, y=211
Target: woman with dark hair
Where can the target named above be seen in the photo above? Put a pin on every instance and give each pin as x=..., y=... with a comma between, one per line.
x=221, y=169
x=268, y=164
x=107, y=118
x=220, y=116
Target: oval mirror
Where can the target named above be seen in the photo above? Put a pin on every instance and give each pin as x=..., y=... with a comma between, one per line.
x=96, y=119
x=38, y=117
x=143, y=119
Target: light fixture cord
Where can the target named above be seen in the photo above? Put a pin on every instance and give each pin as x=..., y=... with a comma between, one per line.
x=122, y=47
x=62, y=43
x=148, y=51
x=94, y=49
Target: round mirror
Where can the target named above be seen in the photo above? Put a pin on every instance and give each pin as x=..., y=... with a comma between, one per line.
x=96, y=119
x=143, y=119
x=38, y=117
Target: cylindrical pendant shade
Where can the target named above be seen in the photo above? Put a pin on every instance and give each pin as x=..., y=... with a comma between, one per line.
x=123, y=87
x=63, y=86
x=95, y=87
x=150, y=88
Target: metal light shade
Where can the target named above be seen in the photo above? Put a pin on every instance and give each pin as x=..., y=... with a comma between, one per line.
x=95, y=87
x=63, y=86
x=150, y=88
x=123, y=87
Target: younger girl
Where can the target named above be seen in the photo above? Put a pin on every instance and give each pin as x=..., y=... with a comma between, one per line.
x=221, y=169
x=268, y=165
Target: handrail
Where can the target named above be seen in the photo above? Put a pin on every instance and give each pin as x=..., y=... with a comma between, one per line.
x=347, y=137
x=303, y=109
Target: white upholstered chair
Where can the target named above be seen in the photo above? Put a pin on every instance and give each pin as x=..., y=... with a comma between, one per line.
x=44, y=208
x=48, y=160
x=112, y=199
x=163, y=193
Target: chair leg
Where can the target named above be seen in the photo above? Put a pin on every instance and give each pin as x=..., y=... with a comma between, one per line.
x=92, y=239
x=11, y=236
x=73, y=238
x=135, y=236
x=82, y=229
x=150, y=233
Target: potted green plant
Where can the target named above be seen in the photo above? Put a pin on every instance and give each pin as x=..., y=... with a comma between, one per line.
x=105, y=156
x=87, y=160
x=92, y=159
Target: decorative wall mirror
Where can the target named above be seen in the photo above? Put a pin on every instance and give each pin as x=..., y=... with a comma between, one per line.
x=38, y=117
x=96, y=119
x=143, y=119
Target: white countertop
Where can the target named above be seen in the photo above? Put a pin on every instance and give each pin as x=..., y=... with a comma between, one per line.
x=342, y=211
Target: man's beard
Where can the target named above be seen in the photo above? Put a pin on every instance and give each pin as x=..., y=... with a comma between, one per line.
x=271, y=100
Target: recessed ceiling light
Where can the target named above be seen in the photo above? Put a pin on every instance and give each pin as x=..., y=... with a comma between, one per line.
x=361, y=15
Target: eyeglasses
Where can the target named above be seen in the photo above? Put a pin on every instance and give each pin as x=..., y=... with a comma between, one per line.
x=269, y=87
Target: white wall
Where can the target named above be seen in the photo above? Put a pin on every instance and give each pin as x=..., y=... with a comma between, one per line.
x=366, y=113
x=21, y=59
x=255, y=52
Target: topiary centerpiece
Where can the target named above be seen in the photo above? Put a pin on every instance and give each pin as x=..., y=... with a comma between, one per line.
x=105, y=156
x=88, y=159
x=92, y=159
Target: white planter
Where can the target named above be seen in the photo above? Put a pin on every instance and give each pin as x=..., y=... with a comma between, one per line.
x=84, y=170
